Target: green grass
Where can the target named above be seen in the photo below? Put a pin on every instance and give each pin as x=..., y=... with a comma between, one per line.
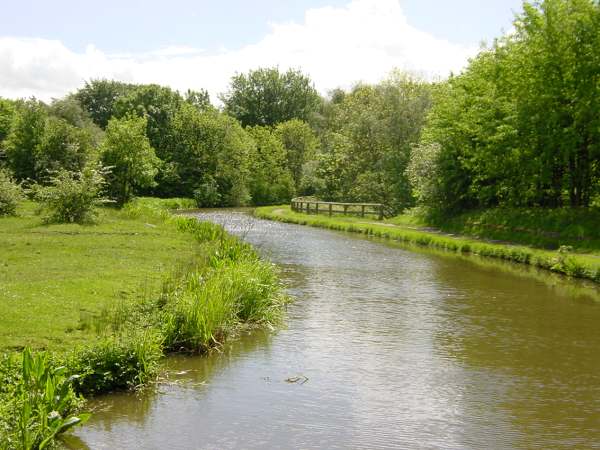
x=406, y=230
x=53, y=278
x=538, y=227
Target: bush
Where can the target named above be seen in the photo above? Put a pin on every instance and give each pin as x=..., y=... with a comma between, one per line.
x=72, y=197
x=207, y=194
x=11, y=194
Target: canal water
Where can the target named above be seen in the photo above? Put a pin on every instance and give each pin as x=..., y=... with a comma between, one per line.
x=383, y=347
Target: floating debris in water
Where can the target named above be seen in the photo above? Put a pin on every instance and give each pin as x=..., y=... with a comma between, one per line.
x=299, y=379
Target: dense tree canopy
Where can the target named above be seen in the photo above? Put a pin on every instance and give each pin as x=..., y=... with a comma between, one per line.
x=270, y=178
x=300, y=144
x=521, y=126
x=98, y=98
x=268, y=97
x=368, y=139
x=212, y=152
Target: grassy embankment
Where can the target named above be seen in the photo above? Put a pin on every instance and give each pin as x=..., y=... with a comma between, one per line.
x=525, y=229
x=107, y=301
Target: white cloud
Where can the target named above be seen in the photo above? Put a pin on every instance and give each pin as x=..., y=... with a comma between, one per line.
x=335, y=46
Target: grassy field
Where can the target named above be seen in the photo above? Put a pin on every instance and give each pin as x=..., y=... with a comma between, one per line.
x=53, y=278
x=411, y=230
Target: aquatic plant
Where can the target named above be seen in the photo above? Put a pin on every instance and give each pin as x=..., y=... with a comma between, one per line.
x=39, y=402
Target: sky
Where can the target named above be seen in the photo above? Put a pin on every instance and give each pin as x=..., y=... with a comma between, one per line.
x=50, y=48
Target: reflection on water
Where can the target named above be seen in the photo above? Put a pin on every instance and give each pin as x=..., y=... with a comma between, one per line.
x=401, y=349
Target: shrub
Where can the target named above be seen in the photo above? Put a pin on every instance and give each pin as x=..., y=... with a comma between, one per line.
x=207, y=194
x=72, y=197
x=11, y=194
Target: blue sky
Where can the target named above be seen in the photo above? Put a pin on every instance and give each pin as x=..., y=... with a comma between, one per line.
x=136, y=25
x=48, y=48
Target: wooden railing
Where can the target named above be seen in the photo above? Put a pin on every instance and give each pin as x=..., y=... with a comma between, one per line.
x=309, y=206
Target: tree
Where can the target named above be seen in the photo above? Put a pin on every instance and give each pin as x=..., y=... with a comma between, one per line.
x=158, y=104
x=366, y=145
x=267, y=97
x=127, y=152
x=63, y=146
x=7, y=112
x=98, y=98
x=200, y=99
x=300, y=144
x=24, y=138
x=519, y=126
x=270, y=180
x=211, y=150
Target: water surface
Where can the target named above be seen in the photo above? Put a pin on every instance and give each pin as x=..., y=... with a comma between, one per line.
x=398, y=349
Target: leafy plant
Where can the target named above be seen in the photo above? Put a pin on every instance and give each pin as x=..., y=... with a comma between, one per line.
x=45, y=402
x=72, y=197
x=11, y=194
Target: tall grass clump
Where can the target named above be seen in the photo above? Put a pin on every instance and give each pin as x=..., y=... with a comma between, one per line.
x=118, y=362
x=213, y=303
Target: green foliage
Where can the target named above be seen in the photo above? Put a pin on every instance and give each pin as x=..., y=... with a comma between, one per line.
x=300, y=143
x=367, y=143
x=270, y=180
x=158, y=104
x=520, y=126
x=39, y=401
x=117, y=362
x=11, y=194
x=24, y=138
x=62, y=146
x=200, y=99
x=210, y=148
x=7, y=112
x=72, y=197
x=267, y=97
x=424, y=172
x=98, y=98
x=207, y=193
x=128, y=153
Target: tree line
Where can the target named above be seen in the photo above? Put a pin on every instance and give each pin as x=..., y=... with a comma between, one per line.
x=520, y=126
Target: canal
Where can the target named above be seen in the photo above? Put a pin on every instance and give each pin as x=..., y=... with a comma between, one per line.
x=383, y=347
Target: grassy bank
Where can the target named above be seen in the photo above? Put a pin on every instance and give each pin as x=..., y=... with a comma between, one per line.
x=140, y=284
x=406, y=230
x=537, y=227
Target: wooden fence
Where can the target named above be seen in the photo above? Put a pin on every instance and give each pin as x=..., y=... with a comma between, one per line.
x=318, y=207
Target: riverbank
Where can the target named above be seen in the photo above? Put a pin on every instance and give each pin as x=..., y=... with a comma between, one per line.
x=108, y=301
x=406, y=230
